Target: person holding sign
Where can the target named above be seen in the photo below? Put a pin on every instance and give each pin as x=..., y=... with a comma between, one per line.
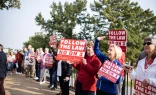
x=53, y=73
x=31, y=63
x=87, y=70
x=43, y=67
x=104, y=85
x=145, y=70
x=64, y=71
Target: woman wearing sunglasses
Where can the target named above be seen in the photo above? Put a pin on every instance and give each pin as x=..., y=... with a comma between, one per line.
x=145, y=70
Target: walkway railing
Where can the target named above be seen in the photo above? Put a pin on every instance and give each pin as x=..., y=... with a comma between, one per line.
x=127, y=88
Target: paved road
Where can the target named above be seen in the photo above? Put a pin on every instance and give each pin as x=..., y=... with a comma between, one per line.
x=19, y=85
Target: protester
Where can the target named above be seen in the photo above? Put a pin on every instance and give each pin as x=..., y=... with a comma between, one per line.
x=43, y=67
x=87, y=70
x=27, y=61
x=53, y=74
x=11, y=58
x=15, y=66
x=64, y=71
x=3, y=68
x=19, y=58
x=142, y=55
x=145, y=70
x=30, y=65
x=33, y=55
x=105, y=86
x=25, y=55
x=41, y=51
x=29, y=49
x=37, y=60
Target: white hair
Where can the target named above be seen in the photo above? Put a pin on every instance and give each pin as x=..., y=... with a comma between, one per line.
x=118, y=50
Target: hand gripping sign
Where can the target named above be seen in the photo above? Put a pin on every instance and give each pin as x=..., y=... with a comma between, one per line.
x=71, y=50
x=110, y=71
x=141, y=90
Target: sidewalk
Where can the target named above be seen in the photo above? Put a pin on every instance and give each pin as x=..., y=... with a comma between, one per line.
x=19, y=85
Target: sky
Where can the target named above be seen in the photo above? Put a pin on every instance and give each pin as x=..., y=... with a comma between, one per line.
x=17, y=25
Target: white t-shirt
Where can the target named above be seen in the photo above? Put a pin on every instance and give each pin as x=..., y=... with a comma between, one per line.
x=59, y=68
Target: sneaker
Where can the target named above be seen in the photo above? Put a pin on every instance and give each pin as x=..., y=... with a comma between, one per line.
x=51, y=87
x=35, y=78
x=20, y=73
x=38, y=80
x=54, y=88
x=42, y=82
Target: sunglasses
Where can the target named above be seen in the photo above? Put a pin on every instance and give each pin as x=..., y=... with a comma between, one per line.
x=147, y=43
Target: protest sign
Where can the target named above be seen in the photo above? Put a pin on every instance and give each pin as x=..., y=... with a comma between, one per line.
x=30, y=59
x=118, y=37
x=48, y=61
x=141, y=90
x=53, y=41
x=110, y=71
x=71, y=50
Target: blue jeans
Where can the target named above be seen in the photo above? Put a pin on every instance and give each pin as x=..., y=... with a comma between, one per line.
x=38, y=70
x=10, y=66
x=53, y=77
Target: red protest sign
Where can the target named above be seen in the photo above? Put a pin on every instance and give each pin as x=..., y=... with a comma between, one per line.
x=110, y=71
x=53, y=41
x=118, y=37
x=141, y=90
x=71, y=50
x=48, y=61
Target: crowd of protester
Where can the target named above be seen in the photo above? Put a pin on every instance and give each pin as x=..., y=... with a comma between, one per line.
x=88, y=82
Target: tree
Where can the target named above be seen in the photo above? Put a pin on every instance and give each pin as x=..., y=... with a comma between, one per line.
x=63, y=18
x=6, y=4
x=91, y=25
x=123, y=14
x=39, y=40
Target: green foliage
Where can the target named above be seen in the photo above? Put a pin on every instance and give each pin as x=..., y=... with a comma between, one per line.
x=106, y=15
x=6, y=4
x=37, y=41
x=123, y=14
x=63, y=18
